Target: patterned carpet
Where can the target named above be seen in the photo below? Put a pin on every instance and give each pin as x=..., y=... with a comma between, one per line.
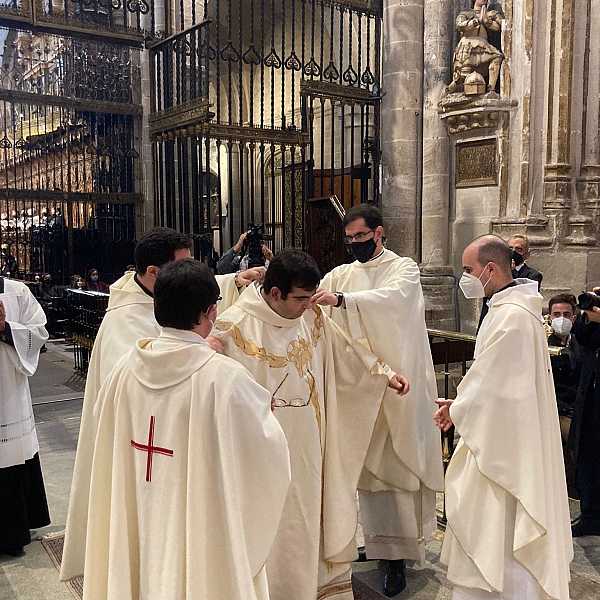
x=53, y=543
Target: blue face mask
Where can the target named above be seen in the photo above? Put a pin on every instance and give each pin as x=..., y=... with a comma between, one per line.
x=94, y=277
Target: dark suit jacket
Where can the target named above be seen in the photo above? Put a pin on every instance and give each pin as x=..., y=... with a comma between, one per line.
x=528, y=273
x=566, y=370
x=588, y=393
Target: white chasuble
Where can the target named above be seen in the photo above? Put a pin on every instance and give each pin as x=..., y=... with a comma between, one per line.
x=26, y=320
x=189, y=477
x=129, y=317
x=327, y=392
x=506, y=496
x=403, y=470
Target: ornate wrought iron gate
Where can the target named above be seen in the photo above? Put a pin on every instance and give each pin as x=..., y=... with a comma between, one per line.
x=70, y=111
x=259, y=106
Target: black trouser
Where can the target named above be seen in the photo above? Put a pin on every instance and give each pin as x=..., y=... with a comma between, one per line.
x=588, y=460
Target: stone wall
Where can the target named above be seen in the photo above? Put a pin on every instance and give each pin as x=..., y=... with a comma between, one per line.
x=545, y=126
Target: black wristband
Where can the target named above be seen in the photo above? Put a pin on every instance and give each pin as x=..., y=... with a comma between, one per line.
x=340, y=298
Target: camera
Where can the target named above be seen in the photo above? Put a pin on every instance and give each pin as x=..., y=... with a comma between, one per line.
x=588, y=300
x=254, y=241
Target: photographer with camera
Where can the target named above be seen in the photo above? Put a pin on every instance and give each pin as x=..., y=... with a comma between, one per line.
x=585, y=423
x=249, y=251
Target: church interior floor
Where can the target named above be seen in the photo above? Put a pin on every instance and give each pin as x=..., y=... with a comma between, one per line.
x=57, y=397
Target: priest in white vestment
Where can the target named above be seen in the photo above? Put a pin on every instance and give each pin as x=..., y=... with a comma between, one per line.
x=190, y=469
x=509, y=533
x=378, y=301
x=327, y=391
x=129, y=317
x=23, y=503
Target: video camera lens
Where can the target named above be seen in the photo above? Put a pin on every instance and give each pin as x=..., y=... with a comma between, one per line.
x=587, y=301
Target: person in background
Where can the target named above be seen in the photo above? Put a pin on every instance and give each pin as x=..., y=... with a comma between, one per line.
x=8, y=263
x=566, y=370
x=23, y=504
x=236, y=258
x=93, y=283
x=519, y=244
x=583, y=437
x=76, y=279
x=51, y=299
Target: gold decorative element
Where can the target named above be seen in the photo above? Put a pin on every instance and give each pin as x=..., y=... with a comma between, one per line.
x=298, y=353
x=178, y=118
x=250, y=348
x=335, y=589
x=334, y=91
x=18, y=97
x=476, y=164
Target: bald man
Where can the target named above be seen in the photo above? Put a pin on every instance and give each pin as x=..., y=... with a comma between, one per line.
x=508, y=534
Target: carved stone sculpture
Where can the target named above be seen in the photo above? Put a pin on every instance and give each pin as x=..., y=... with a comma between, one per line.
x=475, y=59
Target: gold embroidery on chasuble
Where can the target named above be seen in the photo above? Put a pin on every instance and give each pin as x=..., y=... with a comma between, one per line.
x=298, y=353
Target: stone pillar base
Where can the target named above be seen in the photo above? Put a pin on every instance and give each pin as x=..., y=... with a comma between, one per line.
x=438, y=290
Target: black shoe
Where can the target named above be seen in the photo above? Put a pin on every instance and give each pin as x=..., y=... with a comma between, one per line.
x=394, y=580
x=581, y=527
x=13, y=551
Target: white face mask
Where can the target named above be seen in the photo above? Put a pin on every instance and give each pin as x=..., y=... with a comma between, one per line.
x=561, y=325
x=471, y=286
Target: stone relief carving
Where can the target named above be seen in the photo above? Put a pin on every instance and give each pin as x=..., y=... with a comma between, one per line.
x=476, y=61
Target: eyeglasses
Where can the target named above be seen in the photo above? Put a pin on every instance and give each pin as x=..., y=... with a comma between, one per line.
x=357, y=237
x=294, y=402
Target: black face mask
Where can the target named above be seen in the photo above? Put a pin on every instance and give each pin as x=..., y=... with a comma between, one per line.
x=47, y=281
x=363, y=251
x=518, y=258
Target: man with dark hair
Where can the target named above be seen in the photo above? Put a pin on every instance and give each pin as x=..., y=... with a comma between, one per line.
x=506, y=481
x=566, y=368
x=326, y=394
x=377, y=300
x=183, y=516
x=129, y=317
x=519, y=244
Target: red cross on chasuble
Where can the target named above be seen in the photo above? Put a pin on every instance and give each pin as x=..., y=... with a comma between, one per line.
x=151, y=449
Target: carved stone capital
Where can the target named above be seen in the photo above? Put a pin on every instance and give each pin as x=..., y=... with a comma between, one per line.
x=557, y=187
x=588, y=187
x=537, y=229
x=581, y=231
x=483, y=114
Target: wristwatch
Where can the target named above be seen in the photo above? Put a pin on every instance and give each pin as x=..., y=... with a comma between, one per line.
x=340, y=298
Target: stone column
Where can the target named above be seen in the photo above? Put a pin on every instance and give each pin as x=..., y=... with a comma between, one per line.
x=557, y=171
x=436, y=144
x=589, y=182
x=435, y=262
x=401, y=123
